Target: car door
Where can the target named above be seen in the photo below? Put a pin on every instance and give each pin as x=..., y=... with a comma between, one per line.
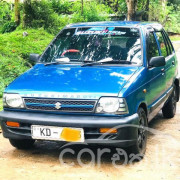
x=171, y=62
x=156, y=75
x=167, y=52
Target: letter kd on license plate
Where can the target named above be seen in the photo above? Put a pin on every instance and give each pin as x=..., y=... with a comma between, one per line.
x=57, y=133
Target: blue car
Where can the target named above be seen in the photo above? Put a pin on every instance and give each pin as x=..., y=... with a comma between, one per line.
x=99, y=82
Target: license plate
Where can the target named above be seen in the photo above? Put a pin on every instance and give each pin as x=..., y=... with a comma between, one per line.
x=57, y=133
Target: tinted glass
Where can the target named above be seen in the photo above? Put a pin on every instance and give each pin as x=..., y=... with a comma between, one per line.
x=162, y=44
x=153, y=48
x=96, y=43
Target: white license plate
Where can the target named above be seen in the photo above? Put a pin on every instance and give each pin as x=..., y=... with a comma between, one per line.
x=57, y=133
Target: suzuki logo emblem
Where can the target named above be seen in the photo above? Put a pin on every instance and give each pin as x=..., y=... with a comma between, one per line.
x=58, y=105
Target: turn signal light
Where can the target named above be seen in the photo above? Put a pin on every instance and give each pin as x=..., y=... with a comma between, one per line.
x=108, y=130
x=13, y=124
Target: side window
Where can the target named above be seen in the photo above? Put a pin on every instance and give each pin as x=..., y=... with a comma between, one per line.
x=169, y=43
x=162, y=43
x=152, y=46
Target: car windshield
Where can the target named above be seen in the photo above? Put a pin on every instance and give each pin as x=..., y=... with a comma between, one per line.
x=93, y=44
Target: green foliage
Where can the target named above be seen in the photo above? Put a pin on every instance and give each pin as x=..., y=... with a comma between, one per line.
x=5, y=12
x=1, y=106
x=40, y=14
x=53, y=15
x=157, y=11
x=15, y=50
x=8, y=27
x=14, y=44
x=6, y=24
x=166, y=15
x=175, y=38
x=92, y=11
x=173, y=25
x=61, y=6
x=118, y=6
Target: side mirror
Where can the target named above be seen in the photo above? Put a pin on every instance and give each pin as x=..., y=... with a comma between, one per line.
x=34, y=57
x=157, y=61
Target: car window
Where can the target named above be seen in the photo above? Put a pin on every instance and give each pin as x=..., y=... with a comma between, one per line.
x=171, y=49
x=152, y=46
x=167, y=44
x=96, y=43
x=163, y=46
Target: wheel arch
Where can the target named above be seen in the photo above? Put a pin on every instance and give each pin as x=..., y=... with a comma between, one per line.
x=144, y=106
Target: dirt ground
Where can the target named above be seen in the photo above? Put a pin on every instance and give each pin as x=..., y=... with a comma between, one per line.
x=162, y=160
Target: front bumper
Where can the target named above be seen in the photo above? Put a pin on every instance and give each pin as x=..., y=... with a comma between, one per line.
x=126, y=135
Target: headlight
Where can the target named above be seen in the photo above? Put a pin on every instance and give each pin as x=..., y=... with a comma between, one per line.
x=112, y=105
x=13, y=101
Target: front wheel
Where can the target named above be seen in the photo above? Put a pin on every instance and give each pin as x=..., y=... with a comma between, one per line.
x=139, y=148
x=169, y=110
x=22, y=143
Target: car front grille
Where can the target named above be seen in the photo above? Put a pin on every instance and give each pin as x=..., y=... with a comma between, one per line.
x=60, y=105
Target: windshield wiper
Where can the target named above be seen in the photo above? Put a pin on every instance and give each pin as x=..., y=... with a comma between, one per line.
x=59, y=61
x=106, y=60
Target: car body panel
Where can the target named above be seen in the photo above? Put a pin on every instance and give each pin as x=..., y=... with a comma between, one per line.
x=102, y=80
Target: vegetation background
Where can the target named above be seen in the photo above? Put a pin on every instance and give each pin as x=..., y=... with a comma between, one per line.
x=28, y=26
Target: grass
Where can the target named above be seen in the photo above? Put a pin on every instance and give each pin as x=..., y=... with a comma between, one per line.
x=175, y=38
x=15, y=44
x=14, y=52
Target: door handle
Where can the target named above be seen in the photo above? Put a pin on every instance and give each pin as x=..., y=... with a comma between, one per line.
x=162, y=70
x=173, y=63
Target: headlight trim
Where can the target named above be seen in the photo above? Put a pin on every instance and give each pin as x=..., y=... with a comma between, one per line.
x=121, y=109
x=12, y=102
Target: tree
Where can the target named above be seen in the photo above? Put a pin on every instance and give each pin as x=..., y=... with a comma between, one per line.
x=131, y=6
x=17, y=12
x=82, y=6
x=147, y=10
x=27, y=13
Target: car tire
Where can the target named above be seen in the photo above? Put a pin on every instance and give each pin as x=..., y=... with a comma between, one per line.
x=169, y=109
x=139, y=148
x=22, y=144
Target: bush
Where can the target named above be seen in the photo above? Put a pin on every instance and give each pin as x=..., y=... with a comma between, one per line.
x=40, y=14
x=166, y=15
x=92, y=11
x=8, y=27
x=6, y=23
x=61, y=6
x=5, y=12
x=173, y=25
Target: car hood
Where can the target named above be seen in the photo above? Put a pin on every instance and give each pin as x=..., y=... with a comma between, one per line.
x=72, y=79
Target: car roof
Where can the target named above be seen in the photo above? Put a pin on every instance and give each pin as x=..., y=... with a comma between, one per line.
x=153, y=25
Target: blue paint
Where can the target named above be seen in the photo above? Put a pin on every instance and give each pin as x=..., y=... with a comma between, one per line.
x=73, y=79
